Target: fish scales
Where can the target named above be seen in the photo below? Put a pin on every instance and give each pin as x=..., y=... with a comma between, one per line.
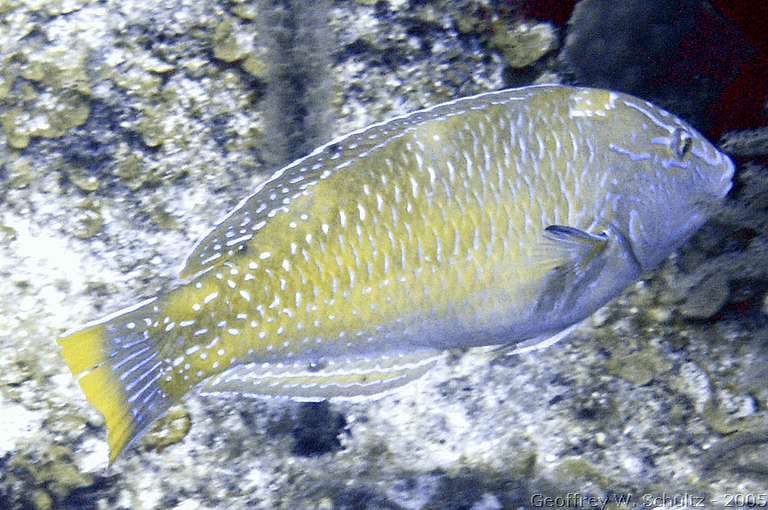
x=500, y=218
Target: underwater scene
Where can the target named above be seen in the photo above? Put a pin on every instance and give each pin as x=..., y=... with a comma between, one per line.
x=383, y=254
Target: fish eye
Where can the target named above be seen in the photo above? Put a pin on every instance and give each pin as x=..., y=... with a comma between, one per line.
x=681, y=142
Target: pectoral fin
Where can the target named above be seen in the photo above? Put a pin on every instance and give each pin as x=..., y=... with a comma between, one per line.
x=571, y=249
x=351, y=378
x=574, y=259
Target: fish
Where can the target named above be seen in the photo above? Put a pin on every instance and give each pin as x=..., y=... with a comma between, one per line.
x=504, y=218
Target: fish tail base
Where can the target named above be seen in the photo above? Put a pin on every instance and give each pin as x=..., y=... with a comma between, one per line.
x=119, y=368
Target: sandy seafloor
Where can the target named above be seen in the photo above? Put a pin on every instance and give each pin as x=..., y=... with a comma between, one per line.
x=128, y=127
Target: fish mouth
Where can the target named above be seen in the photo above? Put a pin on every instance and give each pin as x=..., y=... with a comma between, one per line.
x=716, y=169
x=725, y=189
x=726, y=178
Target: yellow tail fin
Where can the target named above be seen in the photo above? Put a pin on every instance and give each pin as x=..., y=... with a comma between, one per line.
x=119, y=367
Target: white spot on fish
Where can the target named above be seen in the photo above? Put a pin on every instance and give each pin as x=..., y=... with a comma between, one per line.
x=238, y=240
x=432, y=176
x=414, y=187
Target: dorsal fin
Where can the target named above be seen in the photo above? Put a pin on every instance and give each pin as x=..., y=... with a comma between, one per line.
x=351, y=378
x=241, y=225
x=235, y=230
x=231, y=234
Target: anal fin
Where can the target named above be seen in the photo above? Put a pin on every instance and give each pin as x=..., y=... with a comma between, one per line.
x=346, y=379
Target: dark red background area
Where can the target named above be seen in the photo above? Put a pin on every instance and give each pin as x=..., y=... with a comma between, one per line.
x=556, y=11
x=741, y=104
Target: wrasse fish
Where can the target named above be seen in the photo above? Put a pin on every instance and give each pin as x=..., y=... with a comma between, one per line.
x=503, y=218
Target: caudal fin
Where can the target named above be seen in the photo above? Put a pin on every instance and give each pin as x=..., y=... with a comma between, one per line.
x=119, y=366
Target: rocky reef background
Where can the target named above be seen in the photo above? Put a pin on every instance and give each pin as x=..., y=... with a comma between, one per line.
x=127, y=128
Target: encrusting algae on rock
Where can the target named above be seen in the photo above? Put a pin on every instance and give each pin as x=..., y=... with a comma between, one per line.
x=499, y=219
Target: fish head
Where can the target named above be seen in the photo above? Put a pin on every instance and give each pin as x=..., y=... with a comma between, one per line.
x=672, y=179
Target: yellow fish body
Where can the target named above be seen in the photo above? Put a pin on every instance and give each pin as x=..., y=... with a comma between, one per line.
x=501, y=218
